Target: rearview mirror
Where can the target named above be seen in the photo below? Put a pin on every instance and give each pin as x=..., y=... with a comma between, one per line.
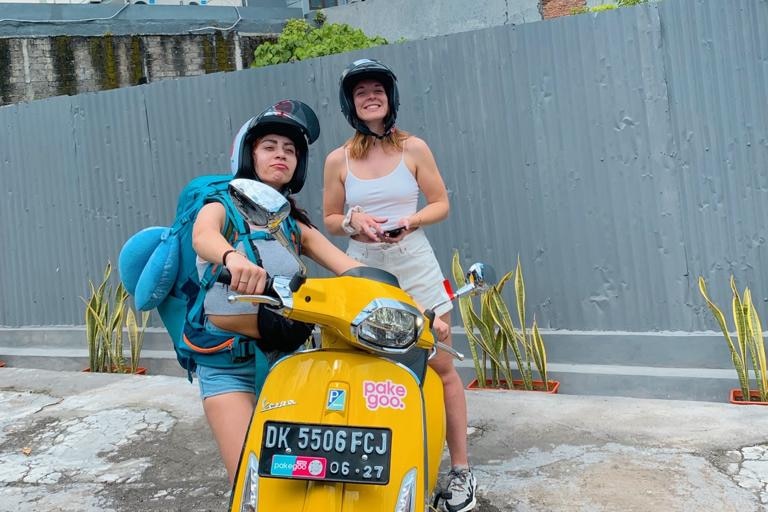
x=260, y=204
x=482, y=275
x=265, y=208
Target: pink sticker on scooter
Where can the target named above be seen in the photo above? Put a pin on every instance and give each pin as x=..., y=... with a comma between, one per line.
x=309, y=467
x=386, y=394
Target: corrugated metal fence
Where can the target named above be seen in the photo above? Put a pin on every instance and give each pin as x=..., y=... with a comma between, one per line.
x=620, y=155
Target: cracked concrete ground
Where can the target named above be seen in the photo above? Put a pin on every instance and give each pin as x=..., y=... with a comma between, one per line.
x=536, y=452
x=72, y=441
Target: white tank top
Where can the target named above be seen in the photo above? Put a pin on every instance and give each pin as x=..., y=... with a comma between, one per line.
x=393, y=196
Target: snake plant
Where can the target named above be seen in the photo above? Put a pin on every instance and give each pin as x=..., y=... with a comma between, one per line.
x=749, y=349
x=493, y=336
x=107, y=313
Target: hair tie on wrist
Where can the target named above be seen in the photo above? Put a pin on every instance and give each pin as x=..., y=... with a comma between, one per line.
x=346, y=224
x=224, y=256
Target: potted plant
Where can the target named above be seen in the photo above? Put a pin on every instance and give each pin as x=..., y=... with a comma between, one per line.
x=108, y=315
x=749, y=349
x=492, y=335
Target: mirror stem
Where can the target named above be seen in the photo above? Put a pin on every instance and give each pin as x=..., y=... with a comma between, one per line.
x=442, y=346
x=280, y=237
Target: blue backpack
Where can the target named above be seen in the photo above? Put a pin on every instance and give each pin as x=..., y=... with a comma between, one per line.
x=158, y=268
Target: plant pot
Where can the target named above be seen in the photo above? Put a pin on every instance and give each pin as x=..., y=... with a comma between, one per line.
x=139, y=371
x=737, y=397
x=517, y=385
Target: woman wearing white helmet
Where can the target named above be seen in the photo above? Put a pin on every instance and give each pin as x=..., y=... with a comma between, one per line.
x=272, y=148
x=371, y=189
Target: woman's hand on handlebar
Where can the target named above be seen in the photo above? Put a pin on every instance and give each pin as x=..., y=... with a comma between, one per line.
x=442, y=329
x=247, y=277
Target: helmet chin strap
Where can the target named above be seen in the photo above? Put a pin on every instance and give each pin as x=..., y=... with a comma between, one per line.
x=363, y=128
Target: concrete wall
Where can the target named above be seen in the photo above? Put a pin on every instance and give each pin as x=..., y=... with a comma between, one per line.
x=409, y=19
x=118, y=18
x=99, y=47
x=40, y=67
x=415, y=19
x=51, y=50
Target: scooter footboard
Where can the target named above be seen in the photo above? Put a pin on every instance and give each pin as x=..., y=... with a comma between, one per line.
x=341, y=431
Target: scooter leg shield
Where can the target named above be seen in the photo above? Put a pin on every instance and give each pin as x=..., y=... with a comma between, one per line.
x=339, y=431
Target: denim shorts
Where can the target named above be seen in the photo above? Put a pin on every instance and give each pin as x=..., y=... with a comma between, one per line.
x=248, y=377
x=217, y=381
x=414, y=263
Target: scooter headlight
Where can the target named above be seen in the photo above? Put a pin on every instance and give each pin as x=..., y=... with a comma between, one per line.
x=387, y=325
x=250, y=499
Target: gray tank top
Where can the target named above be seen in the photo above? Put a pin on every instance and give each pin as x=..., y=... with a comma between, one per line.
x=274, y=258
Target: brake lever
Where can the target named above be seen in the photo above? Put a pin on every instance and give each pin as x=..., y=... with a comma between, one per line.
x=430, y=315
x=269, y=298
x=455, y=353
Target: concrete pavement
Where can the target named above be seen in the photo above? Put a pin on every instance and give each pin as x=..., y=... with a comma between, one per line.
x=73, y=441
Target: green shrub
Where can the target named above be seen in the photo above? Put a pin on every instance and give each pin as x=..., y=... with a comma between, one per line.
x=604, y=7
x=300, y=41
x=607, y=7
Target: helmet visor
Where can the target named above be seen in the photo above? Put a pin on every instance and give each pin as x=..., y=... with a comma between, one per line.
x=366, y=68
x=298, y=112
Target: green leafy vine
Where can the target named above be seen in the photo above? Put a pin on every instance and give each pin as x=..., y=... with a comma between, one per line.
x=299, y=41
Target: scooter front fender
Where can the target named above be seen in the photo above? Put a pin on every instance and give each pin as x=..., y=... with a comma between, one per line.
x=350, y=389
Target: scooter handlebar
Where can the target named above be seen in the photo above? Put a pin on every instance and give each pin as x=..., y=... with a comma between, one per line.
x=430, y=316
x=225, y=277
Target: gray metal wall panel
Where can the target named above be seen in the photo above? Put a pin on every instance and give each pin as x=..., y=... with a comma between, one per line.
x=601, y=223
x=554, y=153
x=619, y=155
x=42, y=239
x=187, y=138
x=719, y=54
x=114, y=174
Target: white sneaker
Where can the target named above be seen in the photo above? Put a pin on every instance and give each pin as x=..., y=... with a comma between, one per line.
x=460, y=491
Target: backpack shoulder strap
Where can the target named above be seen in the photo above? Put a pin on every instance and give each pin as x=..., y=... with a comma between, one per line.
x=292, y=232
x=235, y=230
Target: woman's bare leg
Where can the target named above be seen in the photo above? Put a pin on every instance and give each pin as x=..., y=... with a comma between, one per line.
x=229, y=415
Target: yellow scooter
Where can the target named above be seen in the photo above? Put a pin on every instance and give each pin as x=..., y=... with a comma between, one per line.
x=357, y=424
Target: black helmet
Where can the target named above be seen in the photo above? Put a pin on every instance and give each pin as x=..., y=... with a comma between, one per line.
x=371, y=69
x=291, y=118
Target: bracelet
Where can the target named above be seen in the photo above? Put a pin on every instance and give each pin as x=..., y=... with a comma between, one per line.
x=346, y=224
x=224, y=256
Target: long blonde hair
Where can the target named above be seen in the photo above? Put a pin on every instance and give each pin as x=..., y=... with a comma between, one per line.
x=360, y=144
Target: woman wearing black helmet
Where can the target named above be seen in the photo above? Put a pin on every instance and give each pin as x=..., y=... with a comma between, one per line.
x=272, y=148
x=371, y=189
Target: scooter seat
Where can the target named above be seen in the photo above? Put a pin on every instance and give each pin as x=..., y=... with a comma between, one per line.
x=376, y=274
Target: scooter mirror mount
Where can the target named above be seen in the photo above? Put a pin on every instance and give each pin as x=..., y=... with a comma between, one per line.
x=480, y=277
x=265, y=208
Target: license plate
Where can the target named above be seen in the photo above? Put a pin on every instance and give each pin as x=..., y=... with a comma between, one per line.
x=325, y=452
